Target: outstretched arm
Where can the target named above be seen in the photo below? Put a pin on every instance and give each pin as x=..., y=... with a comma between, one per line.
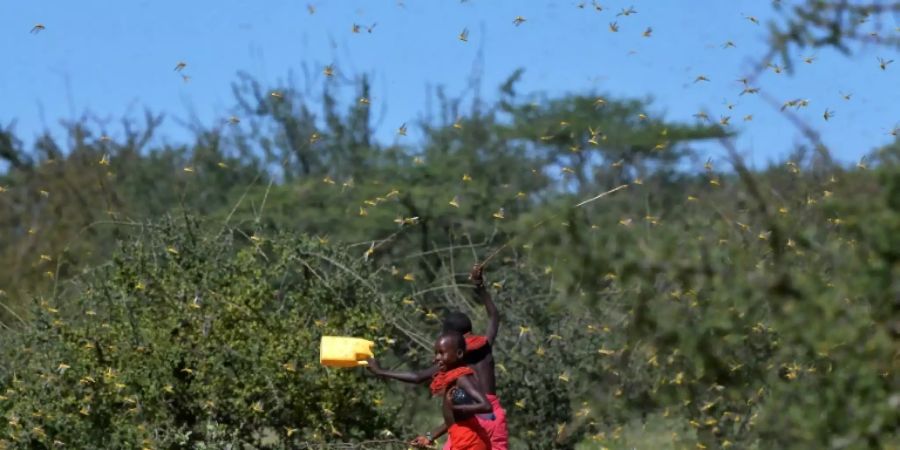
x=481, y=292
x=418, y=377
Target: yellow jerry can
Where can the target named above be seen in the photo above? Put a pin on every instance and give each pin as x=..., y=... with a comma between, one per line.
x=337, y=351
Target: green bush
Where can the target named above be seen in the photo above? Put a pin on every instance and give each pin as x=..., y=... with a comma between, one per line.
x=762, y=312
x=192, y=340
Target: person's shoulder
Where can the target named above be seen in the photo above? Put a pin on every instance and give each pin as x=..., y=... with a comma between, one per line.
x=466, y=376
x=477, y=355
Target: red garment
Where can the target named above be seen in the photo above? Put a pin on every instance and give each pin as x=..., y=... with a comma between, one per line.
x=443, y=379
x=474, y=342
x=498, y=434
x=468, y=435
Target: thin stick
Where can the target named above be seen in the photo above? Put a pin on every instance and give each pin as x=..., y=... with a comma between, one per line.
x=240, y=200
x=507, y=244
x=13, y=313
x=601, y=195
x=597, y=197
x=265, y=198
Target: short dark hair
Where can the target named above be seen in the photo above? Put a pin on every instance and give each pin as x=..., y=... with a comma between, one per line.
x=457, y=338
x=457, y=322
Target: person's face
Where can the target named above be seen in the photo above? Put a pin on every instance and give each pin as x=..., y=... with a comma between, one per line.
x=446, y=355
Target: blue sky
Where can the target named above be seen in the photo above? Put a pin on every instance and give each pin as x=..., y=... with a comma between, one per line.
x=117, y=57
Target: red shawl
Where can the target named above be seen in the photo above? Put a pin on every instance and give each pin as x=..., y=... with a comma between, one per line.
x=474, y=342
x=445, y=378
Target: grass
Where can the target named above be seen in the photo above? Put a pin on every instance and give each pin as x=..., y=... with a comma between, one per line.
x=656, y=433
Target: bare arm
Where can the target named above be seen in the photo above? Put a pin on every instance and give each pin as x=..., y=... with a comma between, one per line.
x=418, y=377
x=439, y=431
x=422, y=441
x=481, y=404
x=481, y=292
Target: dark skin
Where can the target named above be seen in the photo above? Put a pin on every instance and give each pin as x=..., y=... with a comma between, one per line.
x=448, y=356
x=484, y=367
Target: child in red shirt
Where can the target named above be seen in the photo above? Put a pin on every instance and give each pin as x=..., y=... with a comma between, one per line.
x=479, y=356
x=463, y=398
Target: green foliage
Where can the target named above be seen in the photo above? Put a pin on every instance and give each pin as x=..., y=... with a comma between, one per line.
x=546, y=359
x=64, y=209
x=733, y=308
x=189, y=338
x=761, y=307
x=843, y=26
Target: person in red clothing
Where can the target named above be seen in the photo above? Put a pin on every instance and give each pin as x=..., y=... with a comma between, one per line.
x=479, y=356
x=463, y=398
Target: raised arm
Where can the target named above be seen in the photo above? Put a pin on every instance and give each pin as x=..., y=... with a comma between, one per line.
x=418, y=377
x=484, y=297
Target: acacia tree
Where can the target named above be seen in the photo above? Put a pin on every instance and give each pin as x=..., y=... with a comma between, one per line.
x=63, y=204
x=839, y=24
